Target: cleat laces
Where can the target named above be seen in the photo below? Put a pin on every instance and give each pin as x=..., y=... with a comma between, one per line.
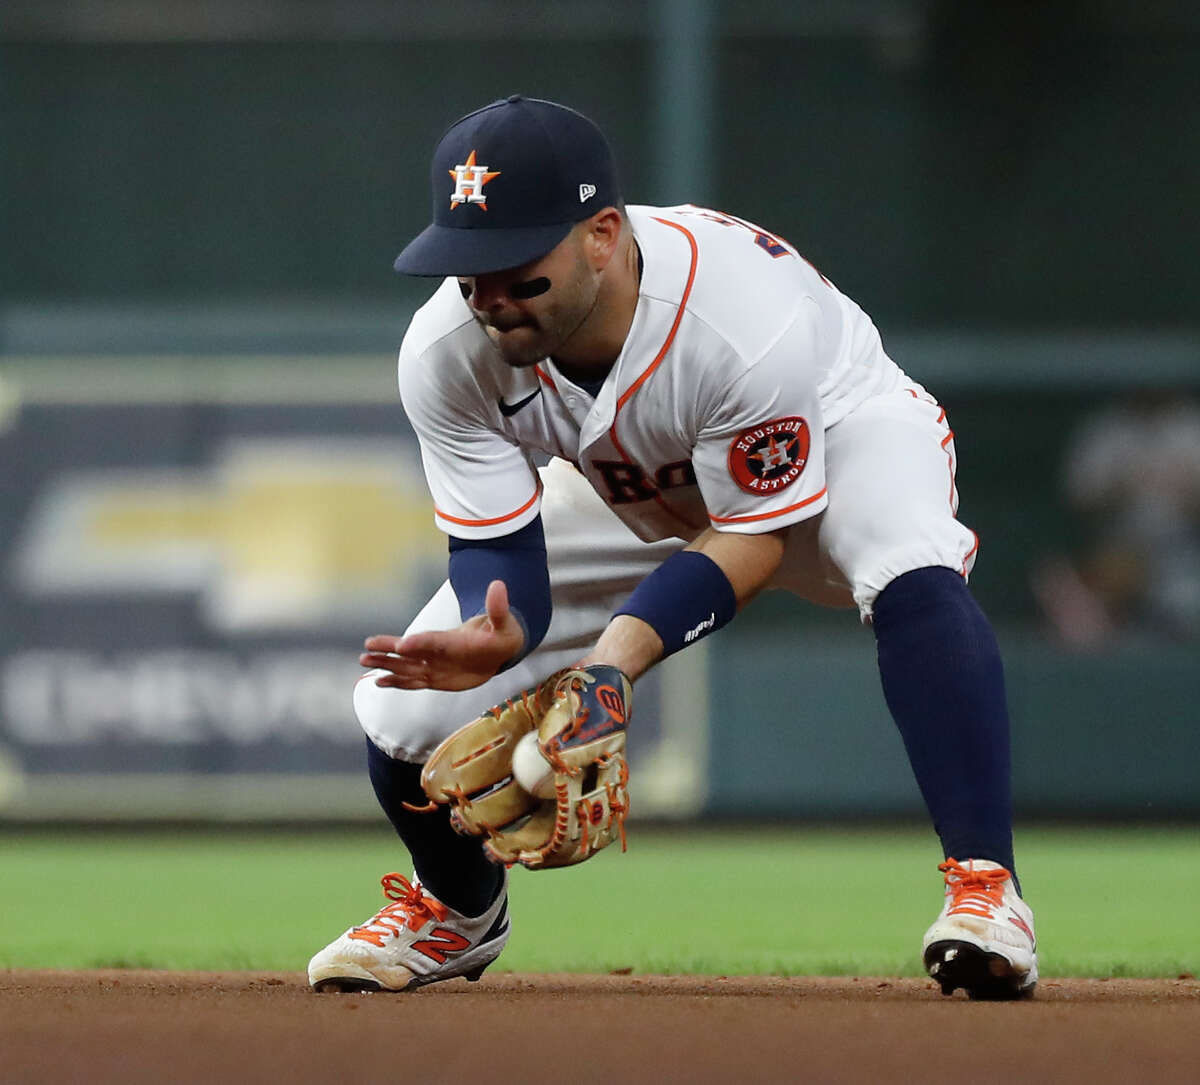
x=973, y=892
x=412, y=908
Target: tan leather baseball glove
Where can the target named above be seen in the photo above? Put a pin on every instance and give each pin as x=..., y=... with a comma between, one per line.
x=580, y=716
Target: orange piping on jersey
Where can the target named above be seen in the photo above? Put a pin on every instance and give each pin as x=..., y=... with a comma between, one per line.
x=950, y=463
x=953, y=496
x=769, y=515
x=687, y=290
x=494, y=519
x=932, y=402
x=544, y=376
x=662, y=353
x=970, y=553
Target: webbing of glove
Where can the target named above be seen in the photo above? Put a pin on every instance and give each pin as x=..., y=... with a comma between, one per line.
x=472, y=769
x=582, y=735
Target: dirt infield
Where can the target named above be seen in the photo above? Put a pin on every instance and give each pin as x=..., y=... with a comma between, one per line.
x=133, y=1027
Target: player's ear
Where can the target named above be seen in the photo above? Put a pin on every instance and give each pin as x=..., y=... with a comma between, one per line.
x=602, y=234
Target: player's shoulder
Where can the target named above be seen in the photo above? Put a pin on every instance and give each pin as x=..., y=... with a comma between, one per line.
x=437, y=323
x=444, y=365
x=742, y=282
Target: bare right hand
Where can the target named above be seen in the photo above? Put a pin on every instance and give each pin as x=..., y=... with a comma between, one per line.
x=451, y=659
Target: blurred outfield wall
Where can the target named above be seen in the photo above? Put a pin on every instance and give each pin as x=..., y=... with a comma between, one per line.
x=208, y=493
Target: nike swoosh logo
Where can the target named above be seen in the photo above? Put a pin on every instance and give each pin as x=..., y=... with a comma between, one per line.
x=509, y=409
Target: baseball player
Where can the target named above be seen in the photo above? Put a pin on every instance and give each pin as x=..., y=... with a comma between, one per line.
x=718, y=419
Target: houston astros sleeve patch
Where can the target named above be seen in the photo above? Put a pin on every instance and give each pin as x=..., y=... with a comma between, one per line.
x=767, y=458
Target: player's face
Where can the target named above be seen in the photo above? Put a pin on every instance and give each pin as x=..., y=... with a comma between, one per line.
x=530, y=312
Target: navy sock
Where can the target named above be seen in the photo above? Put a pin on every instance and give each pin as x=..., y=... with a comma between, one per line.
x=454, y=868
x=944, y=684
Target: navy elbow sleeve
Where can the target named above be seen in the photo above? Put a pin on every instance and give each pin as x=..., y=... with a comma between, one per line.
x=519, y=560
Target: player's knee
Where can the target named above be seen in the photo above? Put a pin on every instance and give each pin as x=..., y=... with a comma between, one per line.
x=919, y=579
x=870, y=561
x=405, y=724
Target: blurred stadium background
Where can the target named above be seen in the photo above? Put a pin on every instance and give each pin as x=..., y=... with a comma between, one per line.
x=209, y=494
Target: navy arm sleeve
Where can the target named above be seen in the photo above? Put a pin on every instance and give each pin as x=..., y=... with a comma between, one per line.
x=519, y=560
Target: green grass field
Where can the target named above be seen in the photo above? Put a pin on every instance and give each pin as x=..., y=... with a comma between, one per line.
x=1114, y=902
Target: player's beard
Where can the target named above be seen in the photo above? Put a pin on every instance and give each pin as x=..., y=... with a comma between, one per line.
x=525, y=340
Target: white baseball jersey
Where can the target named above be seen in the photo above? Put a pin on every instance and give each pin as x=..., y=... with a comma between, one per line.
x=740, y=356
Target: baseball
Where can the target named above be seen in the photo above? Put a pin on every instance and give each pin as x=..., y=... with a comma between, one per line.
x=530, y=769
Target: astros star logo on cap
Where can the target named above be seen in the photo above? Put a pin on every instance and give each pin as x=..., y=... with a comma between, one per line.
x=469, y=180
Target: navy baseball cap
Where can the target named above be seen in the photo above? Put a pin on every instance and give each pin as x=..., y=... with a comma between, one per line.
x=509, y=182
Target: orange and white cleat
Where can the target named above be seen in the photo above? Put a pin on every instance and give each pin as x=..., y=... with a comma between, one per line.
x=983, y=941
x=411, y=942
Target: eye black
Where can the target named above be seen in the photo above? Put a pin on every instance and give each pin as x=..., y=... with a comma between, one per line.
x=531, y=288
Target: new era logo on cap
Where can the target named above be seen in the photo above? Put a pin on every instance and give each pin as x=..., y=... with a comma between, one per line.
x=547, y=168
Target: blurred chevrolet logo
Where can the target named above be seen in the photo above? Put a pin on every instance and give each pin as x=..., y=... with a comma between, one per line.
x=274, y=533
